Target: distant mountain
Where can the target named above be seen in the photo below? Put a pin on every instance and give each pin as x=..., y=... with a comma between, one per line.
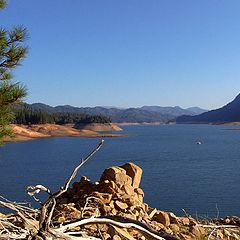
x=140, y=115
x=116, y=114
x=227, y=113
x=174, y=111
x=196, y=110
x=43, y=107
x=143, y=114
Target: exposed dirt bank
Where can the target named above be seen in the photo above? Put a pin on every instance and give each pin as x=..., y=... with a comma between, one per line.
x=98, y=127
x=30, y=132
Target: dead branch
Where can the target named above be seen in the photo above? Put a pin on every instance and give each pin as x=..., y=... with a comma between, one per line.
x=18, y=205
x=49, y=205
x=216, y=226
x=119, y=222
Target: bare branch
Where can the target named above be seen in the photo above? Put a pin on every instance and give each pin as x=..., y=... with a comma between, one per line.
x=72, y=176
x=48, y=205
x=119, y=222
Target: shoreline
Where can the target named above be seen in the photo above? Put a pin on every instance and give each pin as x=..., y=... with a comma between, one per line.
x=37, y=131
x=122, y=210
x=94, y=130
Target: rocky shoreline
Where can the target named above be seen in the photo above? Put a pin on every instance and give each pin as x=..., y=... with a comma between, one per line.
x=112, y=208
x=117, y=193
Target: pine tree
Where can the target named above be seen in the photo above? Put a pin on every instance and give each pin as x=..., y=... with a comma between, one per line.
x=12, y=51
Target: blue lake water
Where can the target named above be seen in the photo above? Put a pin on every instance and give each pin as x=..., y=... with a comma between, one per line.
x=177, y=173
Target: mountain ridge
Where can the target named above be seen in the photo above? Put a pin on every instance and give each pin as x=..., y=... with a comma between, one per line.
x=228, y=113
x=142, y=114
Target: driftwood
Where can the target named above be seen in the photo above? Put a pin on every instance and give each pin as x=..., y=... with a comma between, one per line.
x=119, y=222
x=29, y=223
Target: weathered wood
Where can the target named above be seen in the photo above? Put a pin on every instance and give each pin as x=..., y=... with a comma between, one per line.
x=119, y=222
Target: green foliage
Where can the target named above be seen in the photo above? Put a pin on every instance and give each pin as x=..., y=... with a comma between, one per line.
x=12, y=52
x=24, y=114
x=3, y=4
x=95, y=119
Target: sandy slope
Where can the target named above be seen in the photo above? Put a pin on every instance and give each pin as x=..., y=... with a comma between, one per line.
x=99, y=127
x=29, y=132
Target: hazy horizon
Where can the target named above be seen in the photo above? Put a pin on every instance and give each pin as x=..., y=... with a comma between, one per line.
x=129, y=53
x=119, y=107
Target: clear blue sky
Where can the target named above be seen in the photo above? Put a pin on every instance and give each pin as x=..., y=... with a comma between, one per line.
x=129, y=52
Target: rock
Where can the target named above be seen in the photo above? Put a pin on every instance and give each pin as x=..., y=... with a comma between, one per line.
x=61, y=219
x=84, y=186
x=184, y=220
x=111, y=230
x=63, y=201
x=235, y=236
x=112, y=184
x=134, y=172
x=83, y=181
x=128, y=215
x=139, y=191
x=162, y=217
x=116, y=237
x=131, y=200
x=120, y=205
x=38, y=238
x=75, y=185
x=123, y=233
x=128, y=189
x=67, y=212
x=152, y=212
x=142, y=213
x=111, y=204
x=135, y=212
x=2, y=215
x=173, y=218
x=75, y=214
x=116, y=174
x=104, y=197
x=220, y=234
x=106, y=235
x=145, y=207
x=226, y=233
x=114, y=212
x=186, y=237
x=107, y=187
x=105, y=209
x=140, y=194
x=158, y=226
x=175, y=228
x=198, y=232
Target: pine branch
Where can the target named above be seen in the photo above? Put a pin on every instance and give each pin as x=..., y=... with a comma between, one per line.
x=3, y=4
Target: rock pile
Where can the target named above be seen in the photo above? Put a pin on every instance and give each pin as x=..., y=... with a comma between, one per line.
x=118, y=194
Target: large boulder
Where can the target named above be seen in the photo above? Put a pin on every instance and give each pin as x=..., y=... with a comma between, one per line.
x=134, y=172
x=117, y=175
x=162, y=217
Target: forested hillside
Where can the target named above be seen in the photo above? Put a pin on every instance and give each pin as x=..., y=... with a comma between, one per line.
x=116, y=114
x=25, y=114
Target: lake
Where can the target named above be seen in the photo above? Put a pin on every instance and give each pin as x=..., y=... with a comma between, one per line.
x=177, y=173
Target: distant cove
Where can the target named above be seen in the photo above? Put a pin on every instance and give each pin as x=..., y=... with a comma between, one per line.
x=177, y=173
